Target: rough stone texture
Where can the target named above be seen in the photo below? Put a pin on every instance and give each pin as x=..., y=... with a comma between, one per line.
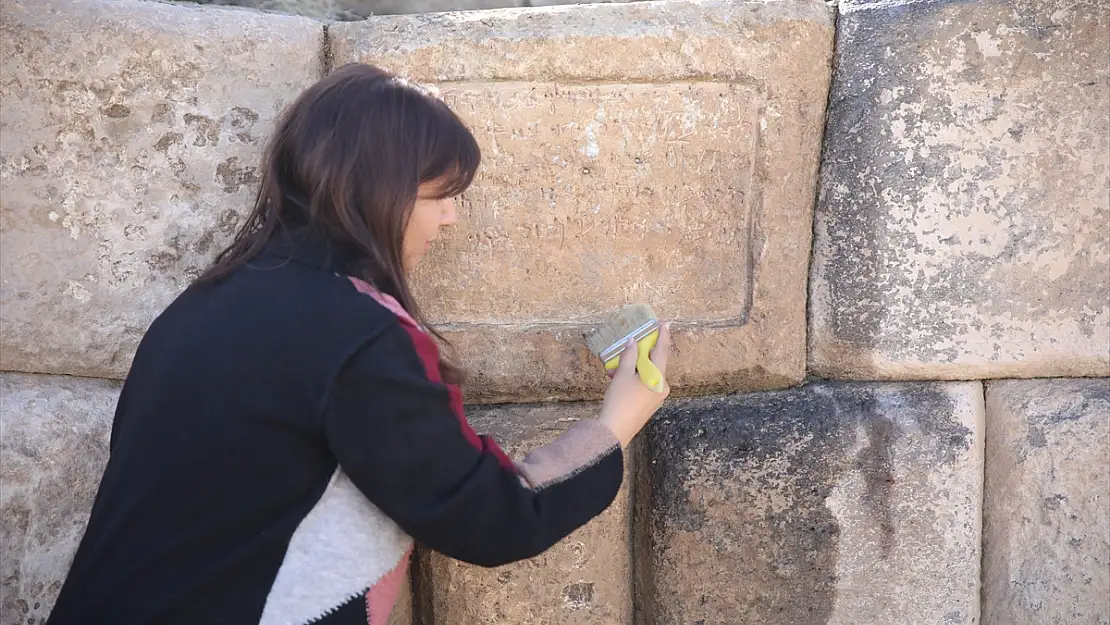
x=583, y=580
x=963, y=228
x=829, y=504
x=660, y=152
x=126, y=162
x=1046, y=518
x=53, y=447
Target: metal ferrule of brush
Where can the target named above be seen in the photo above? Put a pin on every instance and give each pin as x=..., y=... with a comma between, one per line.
x=617, y=348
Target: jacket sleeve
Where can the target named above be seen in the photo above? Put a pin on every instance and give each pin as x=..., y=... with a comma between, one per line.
x=400, y=434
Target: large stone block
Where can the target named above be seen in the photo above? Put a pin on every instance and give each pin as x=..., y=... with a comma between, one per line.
x=656, y=152
x=583, y=580
x=1046, y=517
x=833, y=503
x=54, y=435
x=129, y=139
x=963, y=225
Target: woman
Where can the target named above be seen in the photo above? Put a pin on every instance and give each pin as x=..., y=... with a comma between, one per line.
x=288, y=427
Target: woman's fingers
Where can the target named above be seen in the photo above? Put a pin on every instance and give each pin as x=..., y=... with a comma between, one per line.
x=662, y=351
x=627, y=364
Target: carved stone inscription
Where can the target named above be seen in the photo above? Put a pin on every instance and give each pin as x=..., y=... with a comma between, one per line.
x=593, y=196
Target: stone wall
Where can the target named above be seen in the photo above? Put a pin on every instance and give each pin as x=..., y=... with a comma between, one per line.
x=854, y=258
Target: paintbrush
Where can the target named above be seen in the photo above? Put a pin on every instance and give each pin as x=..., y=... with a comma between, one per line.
x=636, y=322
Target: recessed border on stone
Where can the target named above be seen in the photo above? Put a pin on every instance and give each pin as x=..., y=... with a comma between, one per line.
x=672, y=42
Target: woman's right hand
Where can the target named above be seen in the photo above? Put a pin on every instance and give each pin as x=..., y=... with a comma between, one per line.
x=629, y=403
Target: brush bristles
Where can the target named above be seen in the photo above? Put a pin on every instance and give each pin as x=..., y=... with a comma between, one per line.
x=614, y=333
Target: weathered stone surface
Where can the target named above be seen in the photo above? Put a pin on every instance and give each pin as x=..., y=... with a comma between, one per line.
x=53, y=447
x=963, y=228
x=1046, y=517
x=657, y=152
x=583, y=580
x=127, y=162
x=829, y=504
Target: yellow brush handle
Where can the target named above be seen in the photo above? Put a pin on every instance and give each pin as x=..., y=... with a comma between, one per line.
x=649, y=373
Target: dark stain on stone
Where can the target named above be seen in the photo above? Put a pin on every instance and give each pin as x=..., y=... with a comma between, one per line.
x=203, y=244
x=162, y=262
x=170, y=260
x=1037, y=438
x=117, y=111
x=1053, y=502
x=243, y=117
x=208, y=131
x=720, y=439
x=926, y=405
x=65, y=86
x=103, y=93
x=162, y=112
x=42, y=170
x=1095, y=391
x=228, y=222
x=169, y=139
x=80, y=127
x=712, y=464
x=875, y=463
x=956, y=617
x=862, y=269
x=1087, y=393
x=232, y=177
x=578, y=596
x=21, y=606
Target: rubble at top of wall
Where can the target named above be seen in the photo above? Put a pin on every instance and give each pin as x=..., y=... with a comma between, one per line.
x=353, y=10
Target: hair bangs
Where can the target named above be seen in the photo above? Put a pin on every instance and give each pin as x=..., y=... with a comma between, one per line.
x=452, y=155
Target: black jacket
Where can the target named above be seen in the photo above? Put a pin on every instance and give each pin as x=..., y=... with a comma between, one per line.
x=250, y=403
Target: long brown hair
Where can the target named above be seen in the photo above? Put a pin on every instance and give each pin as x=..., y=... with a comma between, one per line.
x=347, y=158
